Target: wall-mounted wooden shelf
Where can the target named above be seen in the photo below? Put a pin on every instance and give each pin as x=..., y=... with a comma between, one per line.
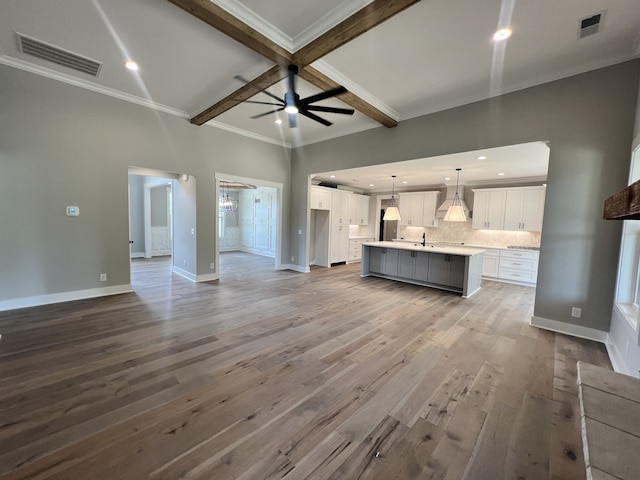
x=624, y=205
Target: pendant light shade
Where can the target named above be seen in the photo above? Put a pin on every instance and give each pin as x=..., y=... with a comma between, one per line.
x=455, y=213
x=392, y=212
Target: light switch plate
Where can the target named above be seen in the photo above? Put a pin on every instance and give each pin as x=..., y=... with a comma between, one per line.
x=73, y=211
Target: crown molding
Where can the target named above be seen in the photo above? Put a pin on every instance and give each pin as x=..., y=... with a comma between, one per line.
x=328, y=21
x=335, y=75
x=245, y=133
x=94, y=87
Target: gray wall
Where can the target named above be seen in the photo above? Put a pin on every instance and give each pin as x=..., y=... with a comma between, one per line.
x=63, y=145
x=588, y=120
x=136, y=211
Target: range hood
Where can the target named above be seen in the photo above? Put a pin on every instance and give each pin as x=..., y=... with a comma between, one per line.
x=451, y=192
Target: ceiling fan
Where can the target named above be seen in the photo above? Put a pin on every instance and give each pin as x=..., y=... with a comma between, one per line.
x=293, y=104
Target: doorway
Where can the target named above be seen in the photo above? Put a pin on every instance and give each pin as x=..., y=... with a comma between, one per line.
x=248, y=220
x=151, y=222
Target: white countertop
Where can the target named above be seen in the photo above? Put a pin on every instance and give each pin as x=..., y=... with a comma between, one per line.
x=465, y=245
x=448, y=250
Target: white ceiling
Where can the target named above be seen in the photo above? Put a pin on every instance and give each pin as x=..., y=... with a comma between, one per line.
x=434, y=55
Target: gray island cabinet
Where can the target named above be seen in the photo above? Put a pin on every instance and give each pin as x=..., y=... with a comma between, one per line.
x=458, y=269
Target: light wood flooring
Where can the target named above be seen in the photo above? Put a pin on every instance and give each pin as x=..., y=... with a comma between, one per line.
x=276, y=374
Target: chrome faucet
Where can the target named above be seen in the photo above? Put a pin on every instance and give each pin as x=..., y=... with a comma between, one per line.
x=424, y=239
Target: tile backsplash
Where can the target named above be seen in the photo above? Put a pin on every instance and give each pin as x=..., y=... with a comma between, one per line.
x=458, y=232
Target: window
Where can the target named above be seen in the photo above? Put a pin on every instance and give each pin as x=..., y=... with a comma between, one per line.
x=628, y=289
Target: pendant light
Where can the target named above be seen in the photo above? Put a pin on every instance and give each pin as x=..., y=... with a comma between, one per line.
x=392, y=212
x=455, y=213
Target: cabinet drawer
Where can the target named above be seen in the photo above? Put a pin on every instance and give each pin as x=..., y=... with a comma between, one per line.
x=519, y=254
x=491, y=253
x=357, y=255
x=519, y=264
x=355, y=247
x=518, y=275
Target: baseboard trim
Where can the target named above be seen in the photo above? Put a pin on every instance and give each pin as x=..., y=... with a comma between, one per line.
x=570, y=329
x=295, y=268
x=39, y=300
x=208, y=277
x=184, y=274
x=137, y=254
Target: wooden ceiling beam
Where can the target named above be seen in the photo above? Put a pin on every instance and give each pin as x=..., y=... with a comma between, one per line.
x=323, y=82
x=262, y=82
x=363, y=20
x=360, y=22
x=223, y=21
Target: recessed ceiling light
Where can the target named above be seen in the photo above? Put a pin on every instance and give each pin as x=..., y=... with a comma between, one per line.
x=278, y=121
x=371, y=185
x=501, y=174
x=502, y=34
x=131, y=65
x=332, y=176
x=481, y=157
x=405, y=181
x=447, y=178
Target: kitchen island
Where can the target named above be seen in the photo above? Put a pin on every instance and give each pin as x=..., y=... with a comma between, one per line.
x=458, y=269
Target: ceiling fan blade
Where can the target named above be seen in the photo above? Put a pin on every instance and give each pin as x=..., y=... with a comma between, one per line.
x=267, y=113
x=245, y=81
x=319, y=108
x=315, y=117
x=293, y=120
x=321, y=96
x=265, y=103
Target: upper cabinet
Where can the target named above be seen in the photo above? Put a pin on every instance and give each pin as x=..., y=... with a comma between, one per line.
x=431, y=203
x=418, y=209
x=411, y=208
x=524, y=209
x=358, y=209
x=340, y=207
x=320, y=198
x=513, y=208
x=488, y=209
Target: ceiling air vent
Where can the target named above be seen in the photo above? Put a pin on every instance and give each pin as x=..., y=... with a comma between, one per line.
x=51, y=53
x=590, y=25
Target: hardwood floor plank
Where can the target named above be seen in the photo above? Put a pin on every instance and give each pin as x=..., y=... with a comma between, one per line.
x=277, y=374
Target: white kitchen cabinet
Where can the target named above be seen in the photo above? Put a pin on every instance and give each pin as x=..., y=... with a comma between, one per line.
x=430, y=204
x=524, y=208
x=488, y=208
x=320, y=198
x=358, y=209
x=355, y=248
x=340, y=207
x=411, y=208
x=519, y=266
x=490, y=263
x=339, y=244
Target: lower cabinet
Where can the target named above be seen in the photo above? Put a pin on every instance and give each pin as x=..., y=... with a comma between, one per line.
x=339, y=244
x=515, y=266
x=355, y=248
x=446, y=270
x=383, y=260
x=490, y=263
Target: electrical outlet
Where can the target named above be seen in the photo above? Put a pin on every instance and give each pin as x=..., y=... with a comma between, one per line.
x=212, y=266
x=576, y=312
x=103, y=277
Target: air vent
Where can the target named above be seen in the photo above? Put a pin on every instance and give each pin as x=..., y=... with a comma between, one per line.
x=51, y=53
x=590, y=25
